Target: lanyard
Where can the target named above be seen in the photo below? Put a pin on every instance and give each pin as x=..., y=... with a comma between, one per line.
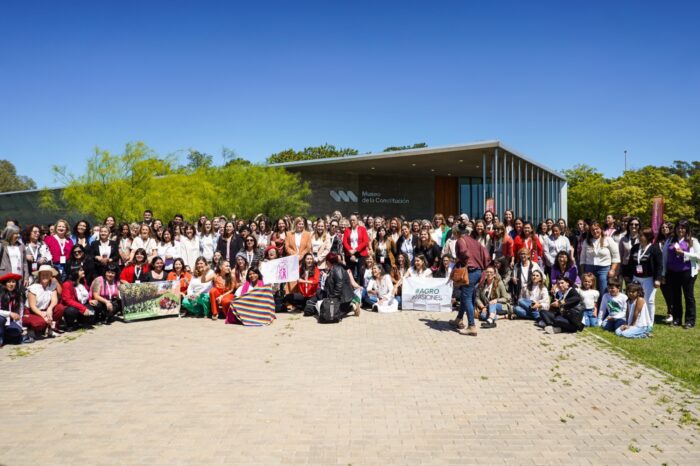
x=137, y=272
x=641, y=253
x=34, y=252
x=111, y=292
x=61, y=244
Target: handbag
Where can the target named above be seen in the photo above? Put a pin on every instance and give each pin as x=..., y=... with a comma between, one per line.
x=459, y=276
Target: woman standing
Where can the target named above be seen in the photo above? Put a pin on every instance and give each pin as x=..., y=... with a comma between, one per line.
x=81, y=234
x=682, y=256
x=168, y=249
x=407, y=242
x=508, y=218
x=646, y=265
x=320, y=243
x=429, y=249
x=103, y=251
x=528, y=240
x=208, y=240
x=124, y=240
x=263, y=234
x=662, y=241
x=517, y=228
x=627, y=242
x=146, y=242
x=600, y=256
x=502, y=243
x=356, y=246
x=440, y=230
x=80, y=260
x=229, y=243
x=60, y=246
x=279, y=236
x=298, y=243
x=253, y=254
x=563, y=267
x=36, y=252
x=555, y=243
x=482, y=235
x=13, y=254
x=384, y=249
x=190, y=248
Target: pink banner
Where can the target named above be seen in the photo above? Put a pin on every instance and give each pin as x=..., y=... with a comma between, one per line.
x=657, y=214
x=490, y=205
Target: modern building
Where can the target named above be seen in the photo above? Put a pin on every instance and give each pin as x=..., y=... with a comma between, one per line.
x=420, y=182
x=415, y=183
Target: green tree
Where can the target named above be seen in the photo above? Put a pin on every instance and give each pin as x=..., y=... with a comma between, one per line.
x=11, y=181
x=231, y=157
x=418, y=145
x=632, y=194
x=125, y=185
x=196, y=160
x=310, y=153
x=588, y=193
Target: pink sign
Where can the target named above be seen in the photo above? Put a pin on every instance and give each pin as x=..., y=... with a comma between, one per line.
x=657, y=214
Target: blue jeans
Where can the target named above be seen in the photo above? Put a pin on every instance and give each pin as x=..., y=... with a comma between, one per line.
x=589, y=320
x=493, y=309
x=633, y=332
x=601, y=276
x=524, y=310
x=467, y=297
x=613, y=325
x=368, y=300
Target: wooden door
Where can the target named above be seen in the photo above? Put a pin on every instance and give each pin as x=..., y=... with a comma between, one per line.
x=447, y=195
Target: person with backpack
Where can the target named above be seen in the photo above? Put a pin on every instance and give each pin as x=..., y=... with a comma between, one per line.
x=338, y=294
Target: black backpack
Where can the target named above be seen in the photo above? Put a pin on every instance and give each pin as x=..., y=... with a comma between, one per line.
x=330, y=311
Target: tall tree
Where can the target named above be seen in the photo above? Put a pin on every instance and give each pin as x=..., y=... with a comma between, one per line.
x=196, y=159
x=124, y=185
x=588, y=193
x=11, y=181
x=418, y=145
x=309, y=153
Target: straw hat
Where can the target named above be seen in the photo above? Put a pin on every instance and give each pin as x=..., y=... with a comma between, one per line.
x=46, y=268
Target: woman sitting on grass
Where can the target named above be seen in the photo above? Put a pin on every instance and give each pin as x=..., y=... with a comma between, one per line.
x=638, y=320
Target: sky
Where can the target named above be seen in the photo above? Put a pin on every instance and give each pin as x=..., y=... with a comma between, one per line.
x=561, y=82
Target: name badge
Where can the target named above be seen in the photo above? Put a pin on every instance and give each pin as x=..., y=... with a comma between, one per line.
x=381, y=259
x=35, y=266
x=137, y=281
x=640, y=269
x=62, y=260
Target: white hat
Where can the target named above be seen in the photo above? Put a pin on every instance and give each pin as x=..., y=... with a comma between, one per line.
x=46, y=268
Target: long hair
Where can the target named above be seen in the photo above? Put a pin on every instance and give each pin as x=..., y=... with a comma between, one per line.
x=589, y=238
x=688, y=236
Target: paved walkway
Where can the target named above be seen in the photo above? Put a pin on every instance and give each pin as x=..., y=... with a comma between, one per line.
x=379, y=389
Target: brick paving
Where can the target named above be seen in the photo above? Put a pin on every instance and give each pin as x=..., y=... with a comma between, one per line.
x=380, y=389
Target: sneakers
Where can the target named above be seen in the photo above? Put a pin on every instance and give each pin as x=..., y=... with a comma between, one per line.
x=688, y=326
x=669, y=319
x=551, y=330
x=471, y=331
x=488, y=324
x=458, y=323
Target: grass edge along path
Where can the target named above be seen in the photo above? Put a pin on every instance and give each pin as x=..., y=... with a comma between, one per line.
x=672, y=350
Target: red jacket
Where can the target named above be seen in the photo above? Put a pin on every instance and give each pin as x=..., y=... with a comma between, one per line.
x=69, y=297
x=532, y=243
x=127, y=275
x=308, y=290
x=362, y=241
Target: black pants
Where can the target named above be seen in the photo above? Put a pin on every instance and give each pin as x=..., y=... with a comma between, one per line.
x=682, y=284
x=73, y=316
x=296, y=299
x=355, y=267
x=557, y=320
x=668, y=297
x=102, y=314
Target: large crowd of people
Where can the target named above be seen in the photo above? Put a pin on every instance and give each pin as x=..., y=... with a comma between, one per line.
x=56, y=278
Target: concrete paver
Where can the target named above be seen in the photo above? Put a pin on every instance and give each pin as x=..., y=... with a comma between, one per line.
x=380, y=389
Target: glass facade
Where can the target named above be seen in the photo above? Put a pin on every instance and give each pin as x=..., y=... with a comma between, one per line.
x=531, y=192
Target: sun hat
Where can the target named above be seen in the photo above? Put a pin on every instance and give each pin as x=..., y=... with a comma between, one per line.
x=45, y=268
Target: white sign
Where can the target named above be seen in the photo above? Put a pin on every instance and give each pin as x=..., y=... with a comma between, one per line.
x=426, y=294
x=282, y=270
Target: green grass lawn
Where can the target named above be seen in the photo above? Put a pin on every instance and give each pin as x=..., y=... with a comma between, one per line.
x=671, y=349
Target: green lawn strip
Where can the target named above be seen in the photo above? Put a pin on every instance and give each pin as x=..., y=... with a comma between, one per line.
x=671, y=349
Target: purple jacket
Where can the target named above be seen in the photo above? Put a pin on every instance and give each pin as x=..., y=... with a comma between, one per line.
x=572, y=273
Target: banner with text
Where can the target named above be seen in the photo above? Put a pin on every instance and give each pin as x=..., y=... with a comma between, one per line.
x=282, y=270
x=152, y=299
x=426, y=294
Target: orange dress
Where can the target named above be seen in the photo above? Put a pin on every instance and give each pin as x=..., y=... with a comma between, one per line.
x=184, y=280
x=217, y=290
